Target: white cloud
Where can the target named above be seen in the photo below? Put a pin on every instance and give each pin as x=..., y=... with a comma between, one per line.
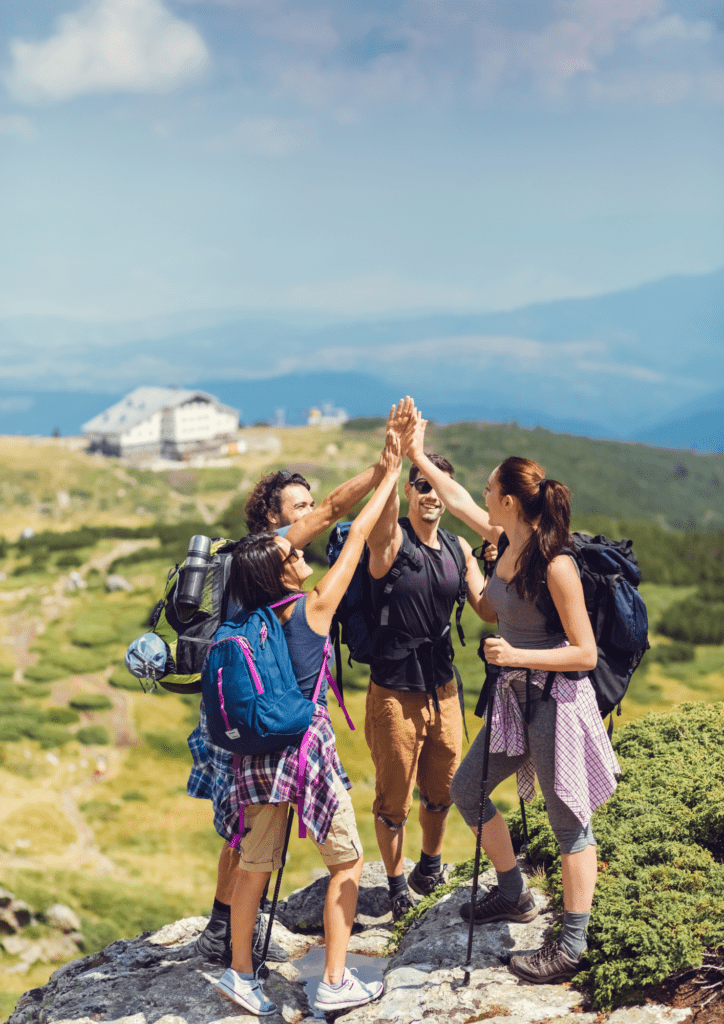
x=108, y=46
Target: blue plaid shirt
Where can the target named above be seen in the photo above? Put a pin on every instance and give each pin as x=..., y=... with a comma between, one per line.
x=212, y=777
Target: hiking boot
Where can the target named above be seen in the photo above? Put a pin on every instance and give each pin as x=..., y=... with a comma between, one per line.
x=245, y=992
x=547, y=966
x=214, y=942
x=276, y=953
x=349, y=992
x=493, y=906
x=423, y=885
x=401, y=904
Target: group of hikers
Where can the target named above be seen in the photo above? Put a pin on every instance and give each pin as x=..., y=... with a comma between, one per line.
x=413, y=720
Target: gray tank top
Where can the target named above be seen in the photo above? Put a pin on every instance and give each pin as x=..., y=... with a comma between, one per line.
x=520, y=622
x=305, y=650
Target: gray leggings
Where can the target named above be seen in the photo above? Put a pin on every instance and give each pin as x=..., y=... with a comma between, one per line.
x=540, y=736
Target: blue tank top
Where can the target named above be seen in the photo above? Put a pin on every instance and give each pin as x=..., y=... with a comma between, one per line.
x=306, y=649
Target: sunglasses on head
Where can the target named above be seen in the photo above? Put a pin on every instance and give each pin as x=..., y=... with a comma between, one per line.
x=421, y=485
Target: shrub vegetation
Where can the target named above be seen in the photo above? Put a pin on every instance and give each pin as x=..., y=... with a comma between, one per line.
x=659, y=902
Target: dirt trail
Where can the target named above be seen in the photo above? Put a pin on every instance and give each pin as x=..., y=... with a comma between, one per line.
x=21, y=630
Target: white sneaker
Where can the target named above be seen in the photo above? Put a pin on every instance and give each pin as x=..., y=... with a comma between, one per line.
x=245, y=991
x=349, y=992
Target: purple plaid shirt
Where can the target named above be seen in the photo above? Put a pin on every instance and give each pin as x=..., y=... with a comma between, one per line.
x=586, y=766
x=272, y=778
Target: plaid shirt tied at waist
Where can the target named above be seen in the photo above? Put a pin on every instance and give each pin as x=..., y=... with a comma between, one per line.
x=273, y=778
x=586, y=765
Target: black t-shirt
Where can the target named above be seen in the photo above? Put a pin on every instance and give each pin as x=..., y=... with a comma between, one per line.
x=420, y=604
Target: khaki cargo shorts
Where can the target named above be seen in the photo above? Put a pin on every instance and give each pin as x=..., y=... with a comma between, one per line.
x=410, y=744
x=266, y=824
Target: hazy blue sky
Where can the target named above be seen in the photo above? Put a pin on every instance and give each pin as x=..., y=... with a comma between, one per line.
x=354, y=156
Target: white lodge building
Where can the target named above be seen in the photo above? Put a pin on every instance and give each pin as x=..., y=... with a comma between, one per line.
x=170, y=422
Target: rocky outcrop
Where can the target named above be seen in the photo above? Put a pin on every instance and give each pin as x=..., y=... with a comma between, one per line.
x=157, y=979
x=61, y=941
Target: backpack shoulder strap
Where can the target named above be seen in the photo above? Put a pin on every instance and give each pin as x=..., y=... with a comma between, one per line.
x=453, y=545
x=407, y=555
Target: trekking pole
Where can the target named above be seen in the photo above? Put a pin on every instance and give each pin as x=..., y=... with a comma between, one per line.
x=491, y=682
x=277, y=887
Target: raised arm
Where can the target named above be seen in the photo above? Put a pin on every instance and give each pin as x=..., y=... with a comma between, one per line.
x=476, y=585
x=323, y=600
x=453, y=495
x=344, y=498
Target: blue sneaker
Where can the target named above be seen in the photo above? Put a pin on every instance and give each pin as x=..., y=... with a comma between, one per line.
x=245, y=990
x=349, y=992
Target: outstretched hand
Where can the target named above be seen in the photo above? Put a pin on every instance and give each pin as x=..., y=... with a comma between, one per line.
x=391, y=455
x=413, y=439
x=398, y=421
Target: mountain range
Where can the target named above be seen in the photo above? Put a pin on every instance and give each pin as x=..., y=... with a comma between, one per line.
x=643, y=364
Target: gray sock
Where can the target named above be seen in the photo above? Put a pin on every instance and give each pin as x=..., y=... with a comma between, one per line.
x=511, y=883
x=573, y=938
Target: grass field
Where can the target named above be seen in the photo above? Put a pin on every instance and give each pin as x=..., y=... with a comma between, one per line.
x=106, y=827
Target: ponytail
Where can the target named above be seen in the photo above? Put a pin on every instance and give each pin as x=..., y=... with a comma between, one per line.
x=546, y=505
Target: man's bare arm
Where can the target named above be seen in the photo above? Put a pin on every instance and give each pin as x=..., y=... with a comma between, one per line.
x=386, y=537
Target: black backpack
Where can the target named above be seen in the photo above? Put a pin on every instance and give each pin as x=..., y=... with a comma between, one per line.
x=355, y=620
x=610, y=576
x=188, y=639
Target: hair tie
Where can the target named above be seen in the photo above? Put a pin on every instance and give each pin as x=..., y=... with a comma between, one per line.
x=543, y=482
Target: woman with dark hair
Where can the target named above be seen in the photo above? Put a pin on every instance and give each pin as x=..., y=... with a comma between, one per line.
x=267, y=569
x=562, y=740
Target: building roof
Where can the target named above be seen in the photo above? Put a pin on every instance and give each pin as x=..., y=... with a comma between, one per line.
x=142, y=403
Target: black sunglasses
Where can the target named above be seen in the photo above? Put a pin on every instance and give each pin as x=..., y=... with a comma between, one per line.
x=421, y=485
x=293, y=556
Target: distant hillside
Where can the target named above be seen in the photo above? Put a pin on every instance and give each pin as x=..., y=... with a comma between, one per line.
x=609, y=366
x=675, y=489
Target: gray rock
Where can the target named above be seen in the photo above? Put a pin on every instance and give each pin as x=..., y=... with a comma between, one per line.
x=5, y=898
x=158, y=978
x=302, y=911
x=23, y=912
x=115, y=582
x=62, y=917
x=8, y=921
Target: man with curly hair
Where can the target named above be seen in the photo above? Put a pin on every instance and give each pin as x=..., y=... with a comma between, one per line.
x=281, y=502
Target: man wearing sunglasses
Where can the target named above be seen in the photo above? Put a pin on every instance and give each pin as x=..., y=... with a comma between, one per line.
x=281, y=502
x=413, y=721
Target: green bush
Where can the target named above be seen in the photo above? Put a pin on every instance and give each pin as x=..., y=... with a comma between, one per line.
x=122, y=679
x=667, y=654
x=84, y=659
x=69, y=560
x=167, y=745
x=134, y=795
x=62, y=716
x=90, y=702
x=37, y=690
x=87, y=633
x=695, y=620
x=49, y=735
x=44, y=672
x=98, y=934
x=659, y=902
x=93, y=735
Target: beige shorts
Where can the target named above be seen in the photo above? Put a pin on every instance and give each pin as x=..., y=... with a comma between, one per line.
x=412, y=743
x=261, y=847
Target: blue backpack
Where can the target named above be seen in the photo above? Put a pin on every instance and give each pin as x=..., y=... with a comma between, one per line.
x=252, y=700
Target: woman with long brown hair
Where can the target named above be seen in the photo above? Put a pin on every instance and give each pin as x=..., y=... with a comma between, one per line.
x=268, y=571
x=561, y=740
